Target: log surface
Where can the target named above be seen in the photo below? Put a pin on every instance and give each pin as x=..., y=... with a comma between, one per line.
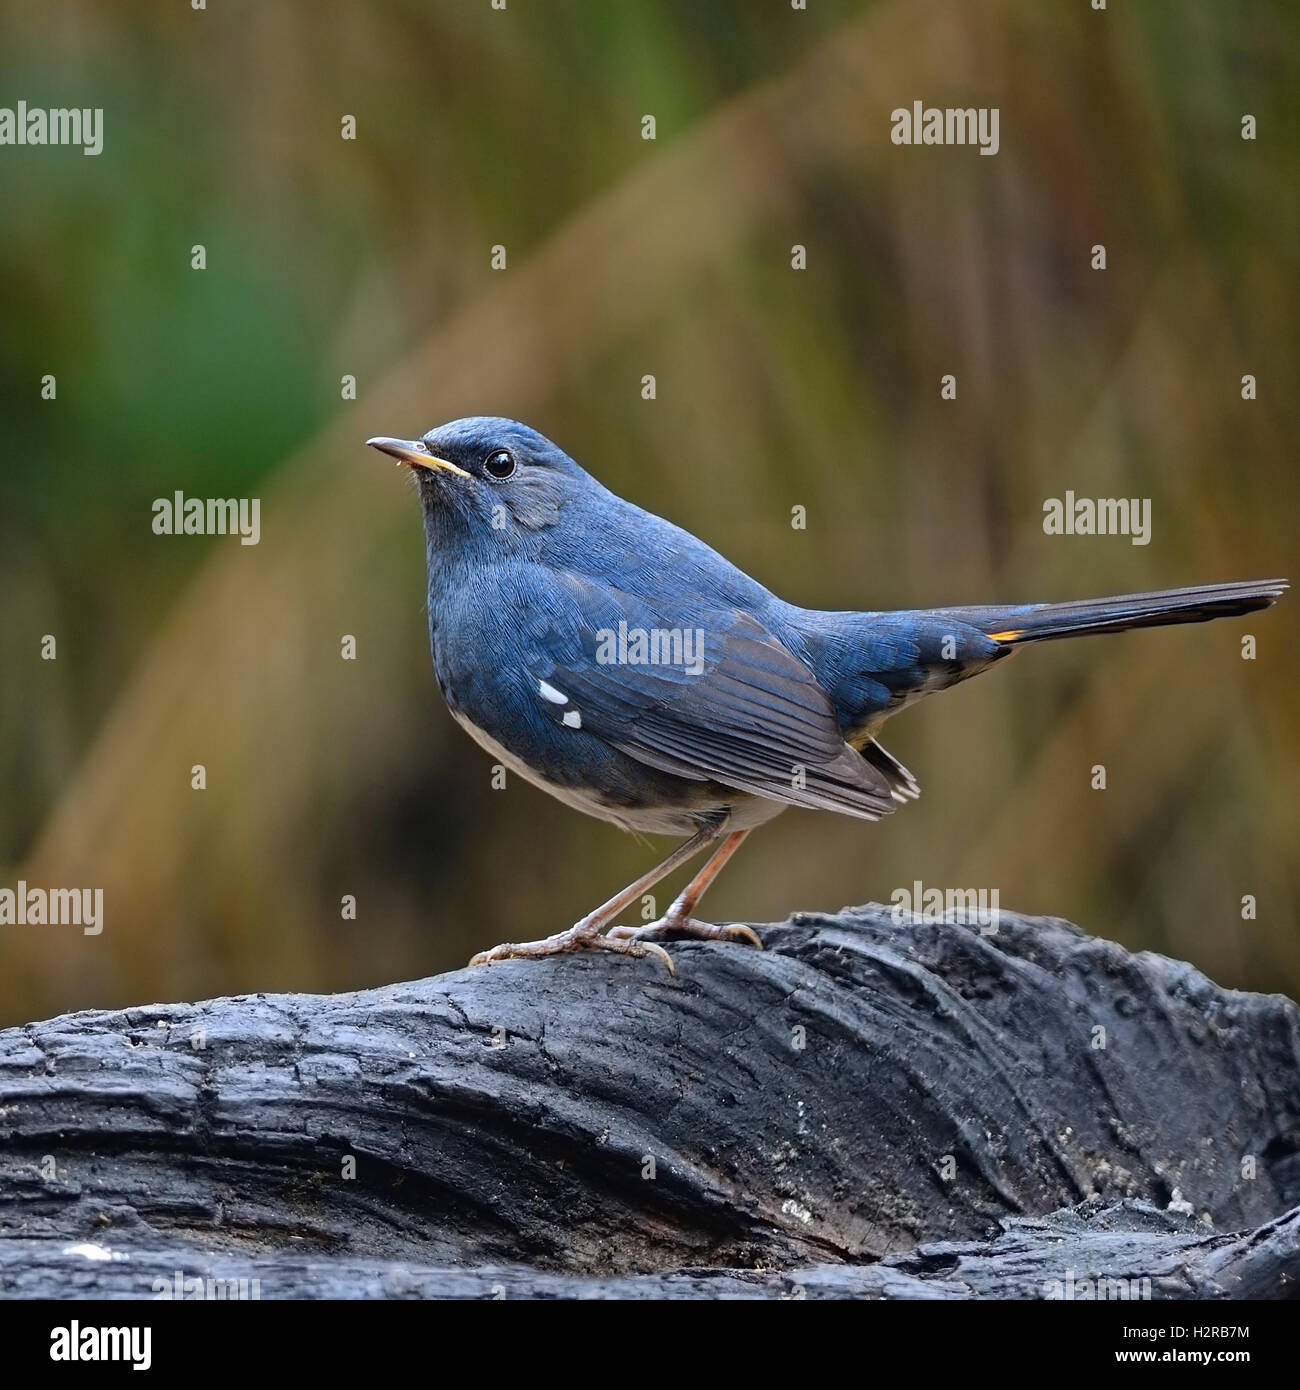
x=865, y=1108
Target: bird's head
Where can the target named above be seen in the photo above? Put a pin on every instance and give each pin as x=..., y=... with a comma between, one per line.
x=485, y=481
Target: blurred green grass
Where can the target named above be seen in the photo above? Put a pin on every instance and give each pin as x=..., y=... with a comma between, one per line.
x=775, y=389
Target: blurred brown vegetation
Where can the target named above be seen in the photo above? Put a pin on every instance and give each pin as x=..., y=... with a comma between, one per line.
x=775, y=388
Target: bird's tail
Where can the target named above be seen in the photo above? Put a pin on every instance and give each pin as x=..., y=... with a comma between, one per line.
x=1037, y=622
x=899, y=657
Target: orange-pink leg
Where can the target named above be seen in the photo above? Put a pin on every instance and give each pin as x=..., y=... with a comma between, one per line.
x=679, y=918
x=586, y=934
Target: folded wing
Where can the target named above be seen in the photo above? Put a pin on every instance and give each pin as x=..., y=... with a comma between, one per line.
x=710, y=696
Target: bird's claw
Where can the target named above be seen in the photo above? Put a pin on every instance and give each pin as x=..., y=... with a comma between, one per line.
x=688, y=926
x=638, y=948
x=573, y=940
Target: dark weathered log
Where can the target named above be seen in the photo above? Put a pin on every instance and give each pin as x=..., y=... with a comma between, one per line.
x=1127, y=1251
x=865, y=1108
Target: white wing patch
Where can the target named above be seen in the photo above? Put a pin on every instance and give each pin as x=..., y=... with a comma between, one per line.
x=570, y=718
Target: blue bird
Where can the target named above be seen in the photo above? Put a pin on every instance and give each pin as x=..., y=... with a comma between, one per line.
x=619, y=663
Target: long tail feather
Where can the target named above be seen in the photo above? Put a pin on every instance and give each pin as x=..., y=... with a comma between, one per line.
x=1042, y=621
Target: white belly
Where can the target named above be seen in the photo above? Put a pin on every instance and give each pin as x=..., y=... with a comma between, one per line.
x=746, y=810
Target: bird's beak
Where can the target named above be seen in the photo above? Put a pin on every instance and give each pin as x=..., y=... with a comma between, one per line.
x=414, y=452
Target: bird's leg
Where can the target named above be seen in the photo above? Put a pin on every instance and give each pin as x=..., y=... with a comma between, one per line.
x=586, y=934
x=678, y=918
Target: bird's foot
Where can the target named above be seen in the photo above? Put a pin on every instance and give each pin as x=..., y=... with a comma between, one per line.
x=687, y=926
x=577, y=938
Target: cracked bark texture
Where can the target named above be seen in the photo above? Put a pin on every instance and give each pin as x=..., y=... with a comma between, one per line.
x=865, y=1108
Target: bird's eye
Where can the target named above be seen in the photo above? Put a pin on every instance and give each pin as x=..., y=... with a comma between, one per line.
x=500, y=464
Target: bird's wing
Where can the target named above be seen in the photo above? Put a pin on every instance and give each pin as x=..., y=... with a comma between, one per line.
x=726, y=701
